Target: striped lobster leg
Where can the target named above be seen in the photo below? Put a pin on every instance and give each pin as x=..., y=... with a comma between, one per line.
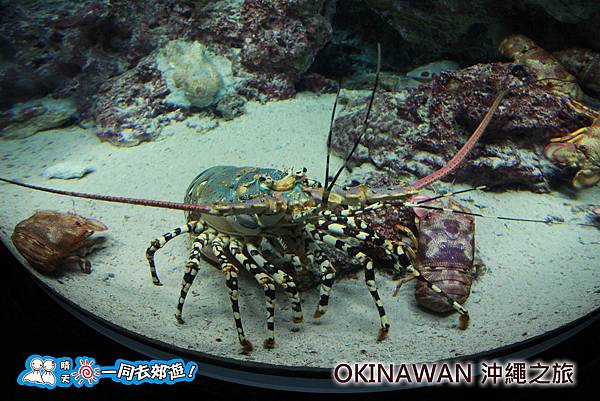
x=265, y=281
x=191, y=269
x=218, y=245
x=280, y=277
x=196, y=227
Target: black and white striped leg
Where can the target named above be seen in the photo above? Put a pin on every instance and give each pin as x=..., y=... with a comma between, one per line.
x=403, y=255
x=191, y=269
x=464, y=318
x=218, y=245
x=280, y=277
x=367, y=264
x=192, y=226
x=327, y=273
x=341, y=226
x=406, y=257
x=287, y=257
x=265, y=281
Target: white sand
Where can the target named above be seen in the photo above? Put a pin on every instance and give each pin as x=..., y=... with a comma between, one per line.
x=538, y=277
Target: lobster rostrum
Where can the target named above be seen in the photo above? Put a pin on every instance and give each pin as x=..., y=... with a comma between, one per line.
x=235, y=214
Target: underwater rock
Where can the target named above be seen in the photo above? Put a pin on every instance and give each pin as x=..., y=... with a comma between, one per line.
x=317, y=83
x=541, y=63
x=220, y=25
x=26, y=119
x=201, y=125
x=128, y=106
x=584, y=64
x=230, y=106
x=67, y=171
x=191, y=74
x=71, y=48
x=281, y=39
x=413, y=33
x=572, y=12
x=415, y=132
x=168, y=85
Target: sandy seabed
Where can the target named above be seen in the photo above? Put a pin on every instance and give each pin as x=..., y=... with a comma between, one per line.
x=537, y=277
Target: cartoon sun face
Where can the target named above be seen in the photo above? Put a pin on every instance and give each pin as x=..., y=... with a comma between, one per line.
x=86, y=372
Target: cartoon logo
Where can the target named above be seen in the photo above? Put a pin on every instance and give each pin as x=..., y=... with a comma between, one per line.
x=86, y=373
x=50, y=372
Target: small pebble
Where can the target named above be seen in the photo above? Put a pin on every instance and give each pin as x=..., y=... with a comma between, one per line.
x=66, y=171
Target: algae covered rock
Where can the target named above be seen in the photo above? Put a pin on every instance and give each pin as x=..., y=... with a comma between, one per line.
x=172, y=83
x=28, y=118
x=281, y=41
x=70, y=48
x=415, y=132
x=194, y=76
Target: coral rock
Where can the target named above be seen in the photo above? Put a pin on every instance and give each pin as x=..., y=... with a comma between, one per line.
x=71, y=48
x=190, y=73
x=26, y=119
x=413, y=133
x=168, y=85
x=128, y=105
x=281, y=39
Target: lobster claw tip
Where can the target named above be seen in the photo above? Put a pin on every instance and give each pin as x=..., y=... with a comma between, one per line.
x=463, y=322
x=559, y=152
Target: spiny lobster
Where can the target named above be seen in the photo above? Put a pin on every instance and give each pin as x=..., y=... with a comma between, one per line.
x=234, y=213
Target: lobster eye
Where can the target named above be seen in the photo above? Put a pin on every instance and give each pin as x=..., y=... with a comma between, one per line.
x=246, y=221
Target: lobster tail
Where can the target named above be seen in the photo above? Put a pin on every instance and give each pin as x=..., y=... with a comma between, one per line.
x=455, y=282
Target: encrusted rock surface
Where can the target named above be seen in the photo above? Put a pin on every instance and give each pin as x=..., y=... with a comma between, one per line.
x=71, y=48
x=281, y=40
x=470, y=30
x=412, y=133
x=170, y=84
x=28, y=118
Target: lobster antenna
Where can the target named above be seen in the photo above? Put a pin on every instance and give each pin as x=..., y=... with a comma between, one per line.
x=546, y=221
x=136, y=201
x=337, y=175
x=450, y=194
x=330, y=134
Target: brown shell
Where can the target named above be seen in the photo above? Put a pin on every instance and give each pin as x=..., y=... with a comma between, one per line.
x=455, y=282
x=445, y=257
x=46, y=238
x=541, y=63
x=582, y=152
x=584, y=64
